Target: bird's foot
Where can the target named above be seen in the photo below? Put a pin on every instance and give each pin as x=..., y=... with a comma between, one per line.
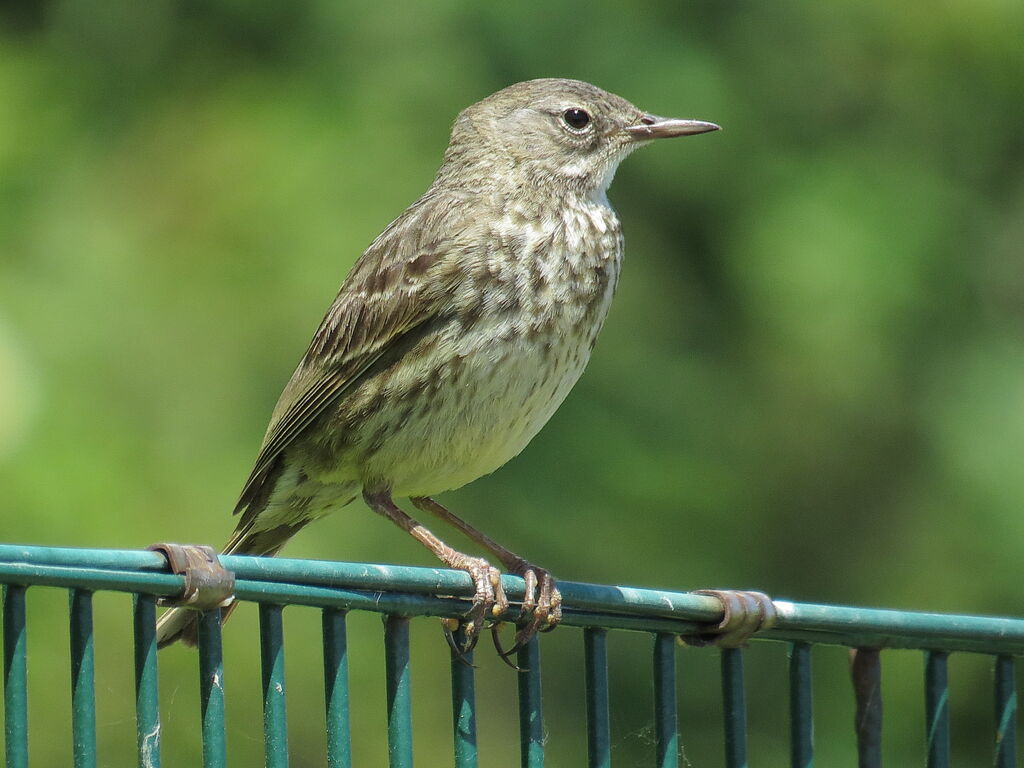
x=489, y=600
x=541, y=609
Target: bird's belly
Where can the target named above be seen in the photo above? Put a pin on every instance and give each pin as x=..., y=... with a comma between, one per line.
x=481, y=382
x=492, y=394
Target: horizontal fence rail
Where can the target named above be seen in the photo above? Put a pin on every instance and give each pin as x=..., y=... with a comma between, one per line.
x=401, y=592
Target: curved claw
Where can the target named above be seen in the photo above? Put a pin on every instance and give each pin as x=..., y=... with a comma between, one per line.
x=526, y=633
x=457, y=652
x=502, y=653
x=542, y=605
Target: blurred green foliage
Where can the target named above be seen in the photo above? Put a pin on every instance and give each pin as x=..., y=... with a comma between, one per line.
x=812, y=381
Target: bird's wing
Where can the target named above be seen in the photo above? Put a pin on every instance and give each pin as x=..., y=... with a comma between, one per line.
x=385, y=302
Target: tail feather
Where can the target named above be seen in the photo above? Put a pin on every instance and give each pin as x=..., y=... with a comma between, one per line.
x=182, y=624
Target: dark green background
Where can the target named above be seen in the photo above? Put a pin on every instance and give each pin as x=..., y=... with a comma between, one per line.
x=812, y=380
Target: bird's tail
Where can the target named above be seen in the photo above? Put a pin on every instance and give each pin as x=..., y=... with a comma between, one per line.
x=182, y=624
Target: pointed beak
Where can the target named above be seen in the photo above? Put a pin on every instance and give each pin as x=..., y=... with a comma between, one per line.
x=654, y=127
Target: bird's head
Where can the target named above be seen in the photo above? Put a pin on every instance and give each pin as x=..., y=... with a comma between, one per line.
x=558, y=133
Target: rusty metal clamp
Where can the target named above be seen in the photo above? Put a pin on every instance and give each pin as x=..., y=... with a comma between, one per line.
x=744, y=614
x=208, y=584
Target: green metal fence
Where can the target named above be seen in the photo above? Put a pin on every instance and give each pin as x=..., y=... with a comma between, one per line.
x=403, y=592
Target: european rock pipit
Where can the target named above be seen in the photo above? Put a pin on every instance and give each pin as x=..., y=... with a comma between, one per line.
x=456, y=335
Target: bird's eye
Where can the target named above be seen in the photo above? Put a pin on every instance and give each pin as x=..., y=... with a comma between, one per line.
x=576, y=118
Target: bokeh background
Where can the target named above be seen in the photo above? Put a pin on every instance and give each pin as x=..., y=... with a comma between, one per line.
x=812, y=380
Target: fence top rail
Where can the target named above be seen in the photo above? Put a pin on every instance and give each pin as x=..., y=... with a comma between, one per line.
x=409, y=590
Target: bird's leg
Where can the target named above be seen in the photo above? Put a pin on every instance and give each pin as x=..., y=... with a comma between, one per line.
x=542, y=602
x=489, y=597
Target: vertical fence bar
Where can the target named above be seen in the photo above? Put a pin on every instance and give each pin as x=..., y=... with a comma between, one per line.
x=396, y=661
x=866, y=672
x=15, y=678
x=275, y=718
x=531, y=713
x=1006, y=713
x=83, y=680
x=463, y=705
x=735, y=705
x=595, y=655
x=339, y=741
x=147, y=703
x=801, y=714
x=936, y=705
x=666, y=717
x=211, y=689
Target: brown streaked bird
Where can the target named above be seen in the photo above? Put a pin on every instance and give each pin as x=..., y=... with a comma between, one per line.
x=456, y=335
